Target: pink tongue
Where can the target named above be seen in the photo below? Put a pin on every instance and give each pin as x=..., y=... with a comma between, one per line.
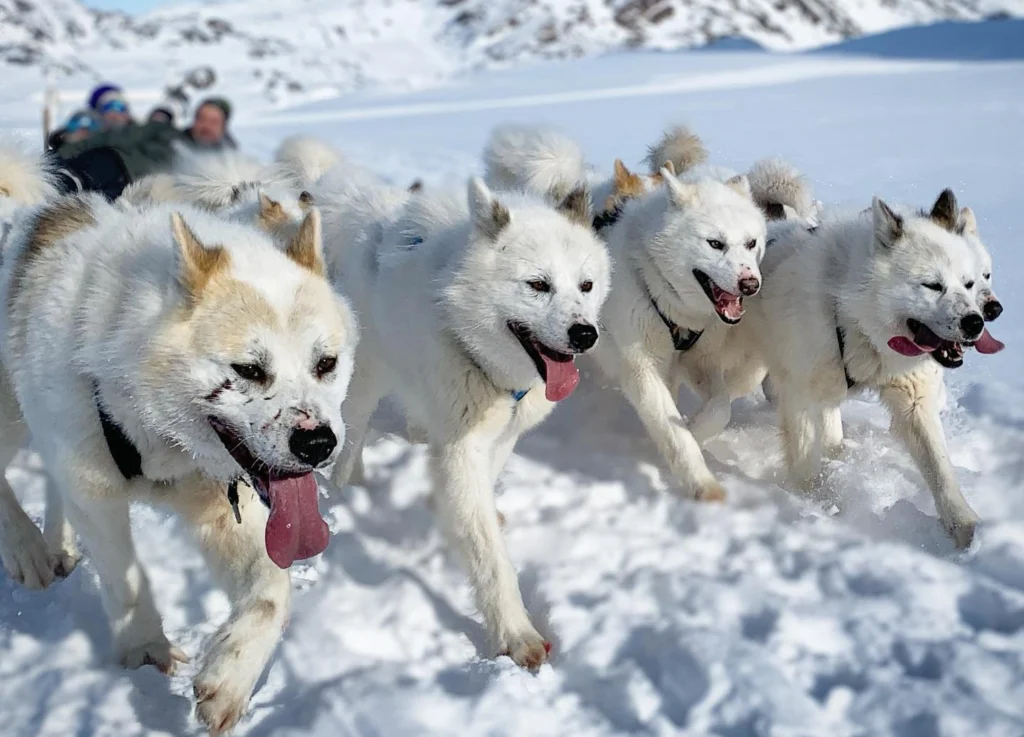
x=905, y=346
x=987, y=344
x=562, y=378
x=727, y=304
x=295, y=529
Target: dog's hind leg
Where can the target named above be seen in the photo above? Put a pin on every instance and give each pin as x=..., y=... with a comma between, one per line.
x=465, y=504
x=259, y=592
x=831, y=431
x=364, y=394
x=911, y=400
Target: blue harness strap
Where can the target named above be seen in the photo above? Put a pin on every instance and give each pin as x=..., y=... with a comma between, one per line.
x=519, y=394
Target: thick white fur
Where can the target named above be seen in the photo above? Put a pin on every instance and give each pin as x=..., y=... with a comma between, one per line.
x=679, y=146
x=102, y=311
x=855, y=271
x=776, y=181
x=657, y=244
x=305, y=159
x=436, y=290
x=533, y=159
x=25, y=179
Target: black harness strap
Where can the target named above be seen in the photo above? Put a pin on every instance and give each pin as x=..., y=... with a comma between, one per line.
x=841, y=338
x=682, y=338
x=608, y=218
x=126, y=456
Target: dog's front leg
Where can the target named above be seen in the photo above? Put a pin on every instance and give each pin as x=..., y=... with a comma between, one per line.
x=259, y=592
x=465, y=503
x=654, y=403
x=58, y=533
x=364, y=394
x=912, y=400
x=716, y=411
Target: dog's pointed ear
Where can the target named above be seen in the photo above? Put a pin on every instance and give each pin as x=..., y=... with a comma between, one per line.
x=489, y=216
x=306, y=248
x=306, y=200
x=269, y=208
x=576, y=206
x=199, y=264
x=968, y=223
x=670, y=166
x=945, y=211
x=622, y=175
x=888, y=225
x=740, y=185
x=679, y=193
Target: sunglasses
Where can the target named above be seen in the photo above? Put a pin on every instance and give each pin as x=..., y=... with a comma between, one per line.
x=82, y=123
x=114, y=106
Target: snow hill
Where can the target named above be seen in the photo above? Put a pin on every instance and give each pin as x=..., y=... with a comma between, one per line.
x=297, y=49
x=774, y=615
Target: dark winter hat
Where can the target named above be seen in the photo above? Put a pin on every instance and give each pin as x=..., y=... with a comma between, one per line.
x=166, y=111
x=218, y=102
x=104, y=93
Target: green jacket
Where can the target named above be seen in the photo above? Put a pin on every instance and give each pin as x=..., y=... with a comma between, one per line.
x=144, y=148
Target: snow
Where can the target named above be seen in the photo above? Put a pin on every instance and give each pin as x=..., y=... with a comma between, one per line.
x=773, y=614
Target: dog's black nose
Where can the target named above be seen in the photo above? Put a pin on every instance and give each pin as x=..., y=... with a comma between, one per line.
x=749, y=286
x=992, y=310
x=972, y=325
x=313, y=447
x=582, y=336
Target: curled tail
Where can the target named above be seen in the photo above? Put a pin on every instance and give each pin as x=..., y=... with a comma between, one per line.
x=26, y=177
x=215, y=179
x=780, y=190
x=535, y=159
x=305, y=159
x=678, y=146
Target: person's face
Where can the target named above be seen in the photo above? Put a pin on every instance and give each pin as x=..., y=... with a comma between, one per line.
x=209, y=125
x=159, y=117
x=115, y=114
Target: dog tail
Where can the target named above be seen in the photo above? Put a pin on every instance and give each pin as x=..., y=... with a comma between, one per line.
x=306, y=159
x=540, y=160
x=780, y=190
x=25, y=177
x=215, y=179
x=681, y=147
x=426, y=215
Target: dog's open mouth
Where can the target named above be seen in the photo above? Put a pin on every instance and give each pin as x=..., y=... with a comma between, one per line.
x=557, y=369
x=924, y=340
x=729, y=306
x=295, y=529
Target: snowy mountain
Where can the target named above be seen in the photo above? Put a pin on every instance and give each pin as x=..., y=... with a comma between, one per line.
x=301, y=48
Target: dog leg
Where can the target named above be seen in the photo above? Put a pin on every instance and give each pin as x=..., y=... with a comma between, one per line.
x=915, y=420
x=831, y=430
x=259, y=592
x=58, y=533
x=364, y=395
x=659, y=414
x=800, y=439
x=103, y=524
x=716, y=411
x=465, y=504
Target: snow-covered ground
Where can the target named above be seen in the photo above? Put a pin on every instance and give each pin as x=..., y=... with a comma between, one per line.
x=770, y=615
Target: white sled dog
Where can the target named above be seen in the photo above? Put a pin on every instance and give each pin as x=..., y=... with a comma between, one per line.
x=881, y=301
x=472, y=319
x=164, y=354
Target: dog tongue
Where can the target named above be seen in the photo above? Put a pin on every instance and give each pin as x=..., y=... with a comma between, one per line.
x=727, y=304
x=295, y=529
x=561, y=378
x=987, y=344
x=906, y=347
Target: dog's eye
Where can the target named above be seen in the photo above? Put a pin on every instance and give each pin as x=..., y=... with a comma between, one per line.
x=969, y=285
x=586, y=286
x=326, y=365
x=250, y=372
x=986, y=277
x=933, y=285
x=751, y=245
x=716, y=244
x=539, y=285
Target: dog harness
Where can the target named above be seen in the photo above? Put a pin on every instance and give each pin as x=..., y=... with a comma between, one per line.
x=608, y=218
x=682, y=338
x=126, y=456
x=518, y=394
x=841, y=339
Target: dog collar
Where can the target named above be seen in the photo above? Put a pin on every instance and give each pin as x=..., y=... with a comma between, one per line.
x=683, y=339
x=841, y=339
x=608, y=218
x=122, y=450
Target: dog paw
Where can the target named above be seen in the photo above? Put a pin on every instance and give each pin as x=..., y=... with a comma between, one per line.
x=962, y=529
x=529, y=650
x=64, y=563
x=219, y=705
x=161, y=654
x=24, y=554
x=711, y=491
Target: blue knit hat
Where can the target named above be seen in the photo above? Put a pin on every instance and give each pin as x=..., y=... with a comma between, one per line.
x=104, y=90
